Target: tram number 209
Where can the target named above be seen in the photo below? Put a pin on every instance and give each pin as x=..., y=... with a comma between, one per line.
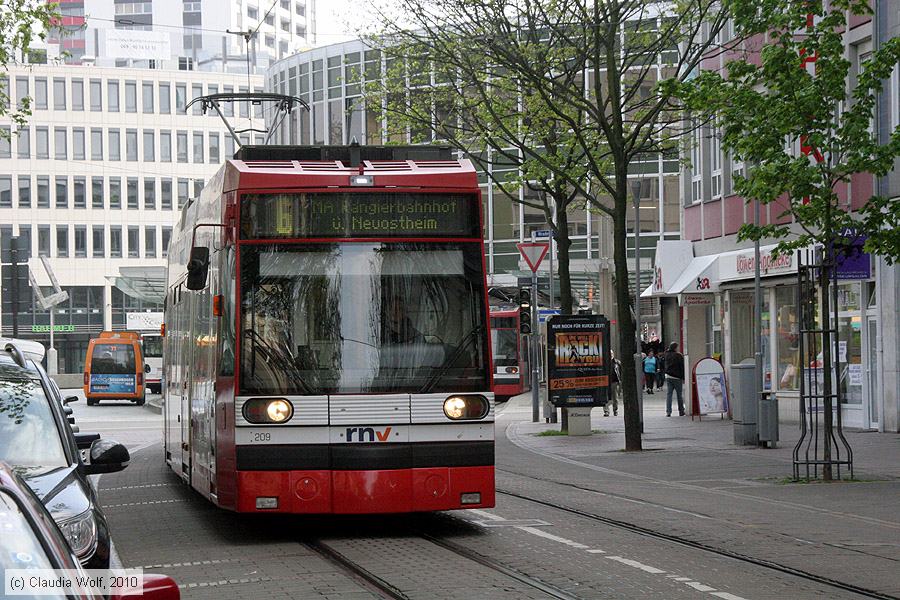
x=261, y=437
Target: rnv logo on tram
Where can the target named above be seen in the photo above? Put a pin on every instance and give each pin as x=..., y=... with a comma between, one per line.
x=367, y=434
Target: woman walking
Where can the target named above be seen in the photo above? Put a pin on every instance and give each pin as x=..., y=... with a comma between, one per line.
x=650, y=371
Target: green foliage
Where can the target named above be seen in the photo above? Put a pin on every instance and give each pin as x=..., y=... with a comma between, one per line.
x=21, y=23
x=768, y=108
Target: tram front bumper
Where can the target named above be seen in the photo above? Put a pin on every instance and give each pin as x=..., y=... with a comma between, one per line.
x=366, y=491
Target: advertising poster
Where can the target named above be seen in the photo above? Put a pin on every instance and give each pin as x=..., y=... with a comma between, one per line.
x=711, y=393
x=112, y=384
x=578, y=360
x=710, y=387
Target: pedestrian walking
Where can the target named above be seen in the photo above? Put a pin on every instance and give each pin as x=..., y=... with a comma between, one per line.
x=615, y=378
x=650, y=370
x=674, y=373
x=660, y=367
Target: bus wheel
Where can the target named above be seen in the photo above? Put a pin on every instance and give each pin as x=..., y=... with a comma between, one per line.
x=140, y=401
x=91, y=402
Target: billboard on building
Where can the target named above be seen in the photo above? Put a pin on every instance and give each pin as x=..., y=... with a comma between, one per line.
x=138, y=45
x=144, y=321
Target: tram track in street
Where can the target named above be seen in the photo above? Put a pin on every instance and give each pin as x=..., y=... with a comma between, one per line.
x=383, y=588
x=675, y=539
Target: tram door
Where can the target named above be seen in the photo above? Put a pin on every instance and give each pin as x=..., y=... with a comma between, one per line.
x=201, y=398
x=176, y=382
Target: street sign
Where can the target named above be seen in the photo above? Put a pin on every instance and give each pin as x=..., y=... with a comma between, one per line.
x=533, y=253
x=541, y=234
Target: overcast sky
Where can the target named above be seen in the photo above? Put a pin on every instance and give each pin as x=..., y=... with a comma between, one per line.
x=332, y=17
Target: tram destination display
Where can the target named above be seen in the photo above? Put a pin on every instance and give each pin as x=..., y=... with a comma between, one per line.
x=578, y=360
x=361, y=214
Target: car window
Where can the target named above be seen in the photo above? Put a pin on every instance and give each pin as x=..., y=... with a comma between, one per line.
x=20, y=548
x=28, y=432
x=113, y=359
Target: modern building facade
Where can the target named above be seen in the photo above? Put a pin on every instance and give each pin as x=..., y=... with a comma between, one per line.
x=707, y=280
x=95, y=182
x=96, y=179
x=331, y=79
x=201, y=35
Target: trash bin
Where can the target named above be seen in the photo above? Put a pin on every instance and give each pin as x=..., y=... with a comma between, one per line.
x=768, y=419
x=744, y=404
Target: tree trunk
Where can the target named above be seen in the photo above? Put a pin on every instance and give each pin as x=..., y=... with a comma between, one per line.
x=563, y=243
x=627, y=333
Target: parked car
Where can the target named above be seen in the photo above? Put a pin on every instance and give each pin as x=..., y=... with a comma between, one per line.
x=31, y=539
x=39, y=444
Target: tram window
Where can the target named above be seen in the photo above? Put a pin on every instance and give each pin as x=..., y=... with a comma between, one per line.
x=362, y=317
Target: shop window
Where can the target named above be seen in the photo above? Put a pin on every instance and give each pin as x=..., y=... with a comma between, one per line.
x=849, y=349
x=787, y=338
x=743, y=332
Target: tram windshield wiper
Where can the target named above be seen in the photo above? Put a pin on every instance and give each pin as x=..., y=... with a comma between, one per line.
x=451, y=360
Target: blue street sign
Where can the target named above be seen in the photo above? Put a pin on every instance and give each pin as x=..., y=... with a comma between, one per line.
x=546, y=313
x=540, y=234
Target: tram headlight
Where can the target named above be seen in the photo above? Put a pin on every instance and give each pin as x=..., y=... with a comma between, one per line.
x=268, y=410
x=466, y=408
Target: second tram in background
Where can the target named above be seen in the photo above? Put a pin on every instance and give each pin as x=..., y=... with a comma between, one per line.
x=326, y=335
x=509, y=351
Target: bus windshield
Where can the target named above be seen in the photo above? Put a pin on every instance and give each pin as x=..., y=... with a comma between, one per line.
x=362, y=317
x=152, y=346
x=113, y=359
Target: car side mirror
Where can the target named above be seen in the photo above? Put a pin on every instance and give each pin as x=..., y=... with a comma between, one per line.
x=70, y=399
x=198, y=268
x=155, y=587
x=85, y=440
x=107, y=456
x=146, y=368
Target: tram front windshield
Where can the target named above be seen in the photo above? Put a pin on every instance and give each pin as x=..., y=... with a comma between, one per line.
x=362, y=317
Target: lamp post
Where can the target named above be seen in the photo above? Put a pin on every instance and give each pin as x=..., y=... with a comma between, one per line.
x=638, y=365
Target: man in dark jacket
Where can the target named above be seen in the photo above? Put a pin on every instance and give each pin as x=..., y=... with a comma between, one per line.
x=674, y=369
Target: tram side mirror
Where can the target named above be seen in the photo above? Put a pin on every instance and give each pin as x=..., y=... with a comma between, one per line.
x=147, y=368
x=198, y=268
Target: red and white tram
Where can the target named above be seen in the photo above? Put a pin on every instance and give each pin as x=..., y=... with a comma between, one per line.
x=509, y=353
x=326, y=334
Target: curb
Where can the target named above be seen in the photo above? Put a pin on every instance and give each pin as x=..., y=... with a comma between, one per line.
x=156, y=405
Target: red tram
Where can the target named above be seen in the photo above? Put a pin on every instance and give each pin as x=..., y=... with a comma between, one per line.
x=326, y=334
x=509, y=354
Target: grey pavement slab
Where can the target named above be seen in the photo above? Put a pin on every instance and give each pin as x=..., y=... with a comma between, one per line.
x=693, y=482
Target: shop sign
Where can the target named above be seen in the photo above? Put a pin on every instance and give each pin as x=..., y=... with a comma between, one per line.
x=852, y=262
x=767, y=262
x=697, y=300
x=56, y=329
x=742, y=265
x=578, y=360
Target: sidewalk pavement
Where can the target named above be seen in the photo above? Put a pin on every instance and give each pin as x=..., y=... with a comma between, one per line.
x=691, y=480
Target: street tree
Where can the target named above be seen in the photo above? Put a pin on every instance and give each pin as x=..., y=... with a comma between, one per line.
x=795, y=111
x=596, y=69
x=434, y=88
x=803, y=120
x=22, y=22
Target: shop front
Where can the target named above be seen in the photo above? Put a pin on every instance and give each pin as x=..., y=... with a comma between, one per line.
x=715, y=297
x=780, y=332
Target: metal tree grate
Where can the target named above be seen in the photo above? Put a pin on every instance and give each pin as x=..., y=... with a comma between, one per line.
x=822, y=447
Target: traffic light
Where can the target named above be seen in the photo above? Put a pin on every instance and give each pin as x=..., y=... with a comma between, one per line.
x=525, y=309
